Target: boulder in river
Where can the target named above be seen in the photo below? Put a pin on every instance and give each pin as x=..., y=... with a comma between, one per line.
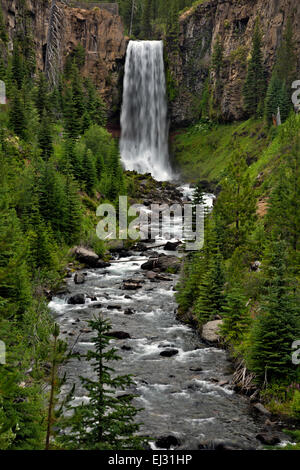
x=169, y=352
x=88, y=257
x=102, y=264
x=77, y=299
x=163, y=263
x=114, y=307
x=166, y=442
x=129, y=311
x=119, y=335
x=210, y=331
x=133, y=284
x=261, y=409
x=269, y=439
x=79, y=278
x=171, y=246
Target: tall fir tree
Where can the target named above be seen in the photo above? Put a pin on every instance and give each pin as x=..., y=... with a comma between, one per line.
x=106, y=422
x=277, y=324
x=255, y=84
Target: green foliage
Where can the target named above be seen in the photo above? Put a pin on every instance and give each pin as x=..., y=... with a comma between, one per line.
x=255, y=84
x=106, y=422
x=210, y=299
x=236, y=318
x=236, y=206
x=278, y=322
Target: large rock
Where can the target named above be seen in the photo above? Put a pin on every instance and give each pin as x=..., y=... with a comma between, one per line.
x=77, y=299
x=87, y=257
x=119, y=335
x=79, y=278
x=132, y=284
x=210, y=331
x=268, y=439
x=165, y=442
x=169, y=352
x=163, y=263
x=171, y=246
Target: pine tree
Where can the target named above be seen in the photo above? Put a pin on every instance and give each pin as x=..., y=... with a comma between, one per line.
x=277, y=324
x=42, y=99
x=210, y=300
x=89, y=172
x=277, y=97
x=236, y=205
x=255, y=84
x=72, y=210
x=15, y=289
x=17, y=119
x=147, y=19
x=285, y=105
x=272, y=98
x=45, y=137
x=172, y=26
x=95, y=107
x=236, y=317
x=18, y=72
x=286, y=60
x=72, y=123
x=106, y=422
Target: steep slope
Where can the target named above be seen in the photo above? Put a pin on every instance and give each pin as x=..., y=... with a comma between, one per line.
x=233, y=21
x=99, y=31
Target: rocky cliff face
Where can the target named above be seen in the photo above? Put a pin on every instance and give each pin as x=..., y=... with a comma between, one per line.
x=99, y=31
x=234, y=21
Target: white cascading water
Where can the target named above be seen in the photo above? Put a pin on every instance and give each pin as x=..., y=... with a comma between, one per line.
x=144, y=121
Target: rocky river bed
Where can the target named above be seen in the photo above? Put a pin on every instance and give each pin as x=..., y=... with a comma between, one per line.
x=182, y=384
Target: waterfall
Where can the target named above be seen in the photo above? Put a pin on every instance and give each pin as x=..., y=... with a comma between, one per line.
x=144, y=138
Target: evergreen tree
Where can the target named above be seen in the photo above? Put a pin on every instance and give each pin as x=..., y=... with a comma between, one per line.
x=277, y=324
x=72, y=123
x=236, y=318
x=146, y=19
x=72, y=210
x=210, y=300
x=106, y=422
x=272, y=98
x=286, y=61
x=277, y=97
x=17, y=114
x=255, y=84
x=89, y=172
x=236, y=205
x=42, y=99
x=95, y=108
x=172, y=26
x=18, y=72
x=45, y=137
x=15, y=290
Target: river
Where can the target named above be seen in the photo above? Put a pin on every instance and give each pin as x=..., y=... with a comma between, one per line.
x=181, y=396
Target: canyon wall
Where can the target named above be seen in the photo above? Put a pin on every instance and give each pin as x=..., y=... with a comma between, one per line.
x=99, y=31
x=234, y=21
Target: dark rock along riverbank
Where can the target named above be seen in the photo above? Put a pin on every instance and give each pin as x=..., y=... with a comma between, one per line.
x=178, y=379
